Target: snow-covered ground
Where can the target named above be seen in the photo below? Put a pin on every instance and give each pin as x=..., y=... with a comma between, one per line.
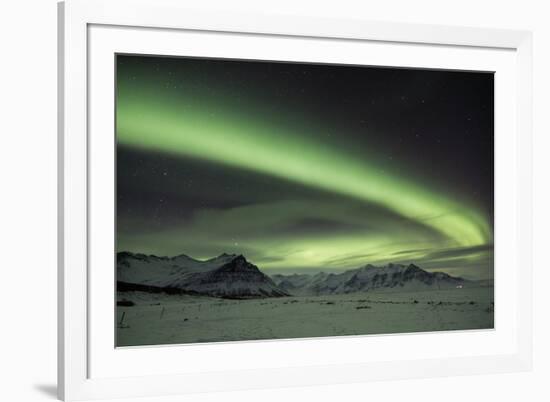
x=157, y=318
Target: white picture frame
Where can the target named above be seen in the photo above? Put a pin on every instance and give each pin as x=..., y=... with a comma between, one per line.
x=89, y=365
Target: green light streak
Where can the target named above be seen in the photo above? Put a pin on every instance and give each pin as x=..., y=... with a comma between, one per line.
x=165, y=123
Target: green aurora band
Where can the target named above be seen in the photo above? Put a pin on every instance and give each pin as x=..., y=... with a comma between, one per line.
x=185, y=127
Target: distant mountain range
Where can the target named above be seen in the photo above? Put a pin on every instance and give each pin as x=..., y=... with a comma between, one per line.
x=364, y=279
x=232, y=276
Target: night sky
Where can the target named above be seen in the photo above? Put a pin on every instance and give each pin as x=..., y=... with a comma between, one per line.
x=305, y=167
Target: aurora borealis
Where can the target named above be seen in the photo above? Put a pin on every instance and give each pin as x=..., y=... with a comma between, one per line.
x=304, y=167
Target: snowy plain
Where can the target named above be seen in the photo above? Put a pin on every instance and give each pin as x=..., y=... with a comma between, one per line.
x=158, y=318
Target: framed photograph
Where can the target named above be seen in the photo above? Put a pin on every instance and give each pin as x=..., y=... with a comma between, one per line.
x=253, y=201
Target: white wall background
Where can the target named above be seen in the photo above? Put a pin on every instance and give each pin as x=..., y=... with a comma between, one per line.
x=28, y=200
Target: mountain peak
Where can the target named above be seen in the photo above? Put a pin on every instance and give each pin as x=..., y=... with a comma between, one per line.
x=183, y=256
x=238, y=263
x=239, y=258
x=223, y=258
x=412, y=267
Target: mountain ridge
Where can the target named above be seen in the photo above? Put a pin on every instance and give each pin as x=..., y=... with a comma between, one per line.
x=232, y=276
x=225, y=276
x=366, y=278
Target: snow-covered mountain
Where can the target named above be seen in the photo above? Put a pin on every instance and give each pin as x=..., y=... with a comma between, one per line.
x=299, y=284
x=228, y=276
x=366, y=278
x=232, y=276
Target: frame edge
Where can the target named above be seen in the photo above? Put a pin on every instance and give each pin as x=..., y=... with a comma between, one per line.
x=60, y=200
x=71, y=370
